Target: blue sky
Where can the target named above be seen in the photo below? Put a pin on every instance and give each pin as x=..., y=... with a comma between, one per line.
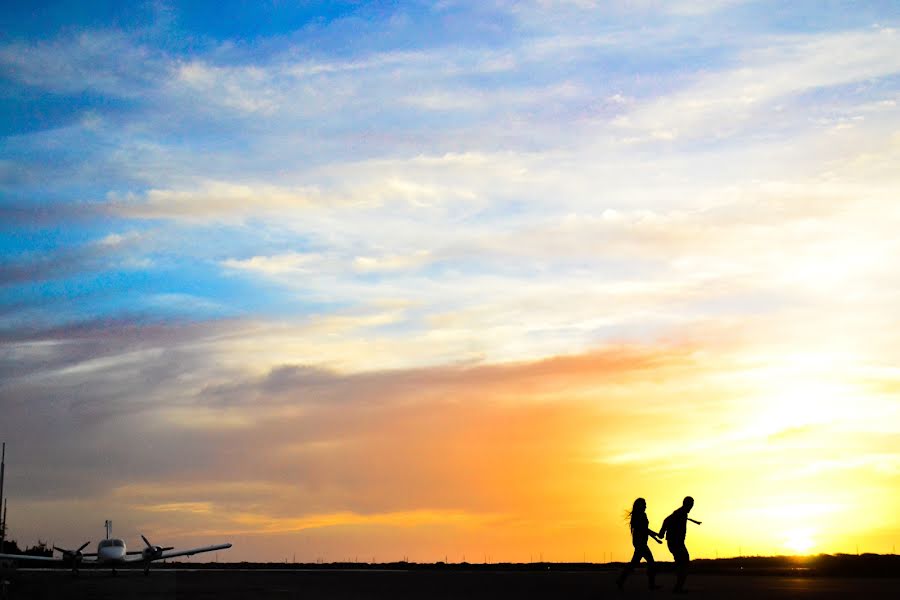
x=105, y=103
x=195, y=197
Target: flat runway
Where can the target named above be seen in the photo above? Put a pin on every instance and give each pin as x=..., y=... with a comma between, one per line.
x=368, y=584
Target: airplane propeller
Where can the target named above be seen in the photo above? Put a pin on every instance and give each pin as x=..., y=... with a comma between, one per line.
x=72, y=553
x=151, y=552
x=73, y=556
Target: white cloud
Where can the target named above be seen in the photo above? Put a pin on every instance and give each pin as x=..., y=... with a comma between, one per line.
x=215, y=200
x=391, y=262
x=723, y=102
x=104, y=61
x=246, y=89
x=290, y=264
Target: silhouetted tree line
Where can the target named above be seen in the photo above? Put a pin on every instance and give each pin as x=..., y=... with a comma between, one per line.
x=837, y=565
x=39, y=549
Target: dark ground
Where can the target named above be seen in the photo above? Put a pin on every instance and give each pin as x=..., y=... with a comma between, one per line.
x=369, y=584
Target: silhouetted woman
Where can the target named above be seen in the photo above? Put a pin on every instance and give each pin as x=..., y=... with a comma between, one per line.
x=640, y=532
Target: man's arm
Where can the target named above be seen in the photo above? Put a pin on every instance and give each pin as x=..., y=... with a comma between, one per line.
x=693, y=521
x=662, y=530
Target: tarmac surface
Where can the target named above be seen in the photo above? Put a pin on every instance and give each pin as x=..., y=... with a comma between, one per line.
x=399, y=584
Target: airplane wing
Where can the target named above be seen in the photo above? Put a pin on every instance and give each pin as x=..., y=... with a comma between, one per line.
x=192, y=551
x=29, y=557
x=174, y=553
x=88, y=558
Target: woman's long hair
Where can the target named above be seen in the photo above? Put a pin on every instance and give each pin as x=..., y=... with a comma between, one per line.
x=639, y=506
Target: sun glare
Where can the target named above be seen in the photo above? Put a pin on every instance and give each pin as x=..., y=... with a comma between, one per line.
x=797, y=404
x=799, y=541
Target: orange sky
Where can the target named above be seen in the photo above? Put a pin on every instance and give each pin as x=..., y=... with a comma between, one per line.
x=518, y=460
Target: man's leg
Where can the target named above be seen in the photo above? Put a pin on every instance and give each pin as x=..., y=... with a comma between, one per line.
x=682, y=558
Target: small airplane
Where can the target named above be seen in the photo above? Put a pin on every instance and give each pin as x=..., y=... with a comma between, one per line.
x=112, y=552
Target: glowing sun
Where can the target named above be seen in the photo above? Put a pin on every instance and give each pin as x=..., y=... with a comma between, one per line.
x=799, y=541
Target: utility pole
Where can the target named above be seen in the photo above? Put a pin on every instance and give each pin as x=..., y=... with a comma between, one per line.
x=2, y=502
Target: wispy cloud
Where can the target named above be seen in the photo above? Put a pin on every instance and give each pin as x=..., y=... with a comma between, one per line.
x=723, y=103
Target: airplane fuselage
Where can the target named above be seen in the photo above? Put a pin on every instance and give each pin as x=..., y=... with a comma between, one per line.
x=111, y=550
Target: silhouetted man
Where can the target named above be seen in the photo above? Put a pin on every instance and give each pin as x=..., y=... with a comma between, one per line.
x=674, y=529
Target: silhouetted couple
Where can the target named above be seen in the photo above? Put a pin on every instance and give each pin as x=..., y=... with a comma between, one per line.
x=674, y=530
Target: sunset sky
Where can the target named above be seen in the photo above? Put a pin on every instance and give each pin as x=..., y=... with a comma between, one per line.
x=451, y=279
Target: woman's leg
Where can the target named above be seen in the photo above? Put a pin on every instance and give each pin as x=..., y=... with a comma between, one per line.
x=651, y=568
x=635, y=561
